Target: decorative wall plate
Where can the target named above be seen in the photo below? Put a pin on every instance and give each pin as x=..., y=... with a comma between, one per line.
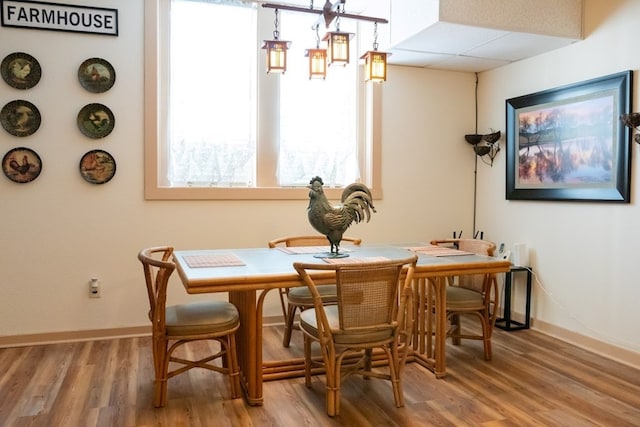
x=97, y=166
x=20, y=118
x=21, y=165
x=96, y=120
x=96, y=75
x=20, y=70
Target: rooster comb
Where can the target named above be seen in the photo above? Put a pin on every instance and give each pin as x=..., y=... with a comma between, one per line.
x=316, y=178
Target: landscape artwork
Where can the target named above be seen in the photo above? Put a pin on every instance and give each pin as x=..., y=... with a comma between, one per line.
x=568, y=143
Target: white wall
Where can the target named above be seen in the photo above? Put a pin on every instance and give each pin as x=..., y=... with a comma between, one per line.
x=58, y=231
x=584, y=254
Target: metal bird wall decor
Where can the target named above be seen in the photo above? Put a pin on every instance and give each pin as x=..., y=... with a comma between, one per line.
x=632, y=121
x=332, y=221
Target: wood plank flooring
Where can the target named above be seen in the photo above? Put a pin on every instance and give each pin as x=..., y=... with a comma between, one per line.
x=533, y=380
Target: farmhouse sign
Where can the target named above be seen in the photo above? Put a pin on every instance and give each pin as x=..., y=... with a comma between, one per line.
x=60, y=17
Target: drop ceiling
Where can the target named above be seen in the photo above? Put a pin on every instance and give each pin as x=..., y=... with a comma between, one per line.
x=478, y=35
x=467, y=48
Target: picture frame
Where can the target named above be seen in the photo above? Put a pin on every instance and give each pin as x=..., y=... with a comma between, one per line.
x=568, y=143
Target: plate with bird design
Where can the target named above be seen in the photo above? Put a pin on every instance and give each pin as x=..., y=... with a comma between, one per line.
x=21, y=165
x=97, y=166
x=96, y=75
x=20, y=70
x=20, y=118
x=96, y=120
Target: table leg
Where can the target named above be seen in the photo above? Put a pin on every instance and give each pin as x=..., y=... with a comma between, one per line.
x=421, y=316
x=528, y=303
x=441, y=327
x=507, y=301
x=249, y=344
x=430, y=345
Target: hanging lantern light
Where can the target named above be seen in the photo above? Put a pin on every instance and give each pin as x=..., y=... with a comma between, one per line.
x=317, y=59
x=338, y=44
x=375, y=62
x=276, y=50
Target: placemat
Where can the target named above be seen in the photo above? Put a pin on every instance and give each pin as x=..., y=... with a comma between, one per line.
x=353, y=260
x=212, y=260
x=434, y=250
x=294, y=250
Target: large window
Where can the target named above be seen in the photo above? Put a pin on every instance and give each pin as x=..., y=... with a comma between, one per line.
x=219, y=127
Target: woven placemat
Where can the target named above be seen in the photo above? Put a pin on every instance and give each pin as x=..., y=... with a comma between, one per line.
x=295, y=250
x=353, y=260
x=213, y=260
x=434, y=250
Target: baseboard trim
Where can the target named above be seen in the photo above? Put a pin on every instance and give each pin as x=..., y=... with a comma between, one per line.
x=610, y=351
x=73, y=336
x=93, y=335
x=604, y=349
x=274, y=320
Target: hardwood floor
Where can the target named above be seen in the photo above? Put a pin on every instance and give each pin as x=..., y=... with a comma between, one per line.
x=532, y=380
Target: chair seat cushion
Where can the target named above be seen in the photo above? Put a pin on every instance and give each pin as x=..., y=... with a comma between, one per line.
x=302, y=296
x=309, y=324
x=463, y=299
x=202, y=317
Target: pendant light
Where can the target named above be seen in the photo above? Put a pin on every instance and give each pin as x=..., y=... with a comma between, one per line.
x=276, y=50
x=338, y=44
x=375, y=62
x=317, y=59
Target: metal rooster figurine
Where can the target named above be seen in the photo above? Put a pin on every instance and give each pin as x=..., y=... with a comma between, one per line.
x=332, y=221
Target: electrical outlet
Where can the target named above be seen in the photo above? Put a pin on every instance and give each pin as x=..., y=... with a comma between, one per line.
x=94, y=288
x=503, y=253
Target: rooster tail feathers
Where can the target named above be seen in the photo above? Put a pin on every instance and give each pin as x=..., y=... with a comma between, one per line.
x=361, y=190
x=359, y=212
x=359, y=202
x=356, y=186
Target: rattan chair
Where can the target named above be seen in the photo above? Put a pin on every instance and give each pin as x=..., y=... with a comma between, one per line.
x=475, y=295
x=292, y=300
x=177, y=325
x=369, y=314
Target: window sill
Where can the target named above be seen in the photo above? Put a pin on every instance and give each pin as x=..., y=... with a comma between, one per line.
x=235, y=193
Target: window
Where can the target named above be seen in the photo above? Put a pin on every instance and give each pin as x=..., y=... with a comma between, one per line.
x=219, y=127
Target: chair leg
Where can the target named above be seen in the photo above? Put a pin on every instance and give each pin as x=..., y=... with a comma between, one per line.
x=394, y=373
x=161, y=365
x=332, y=368
x=486, y=339
x=232, y=366
x=282, y=292
x=455, y=326
x=288, y=325
x=368, y=356
x=307, y=361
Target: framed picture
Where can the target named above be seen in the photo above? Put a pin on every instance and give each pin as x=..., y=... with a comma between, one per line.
x=568, y=143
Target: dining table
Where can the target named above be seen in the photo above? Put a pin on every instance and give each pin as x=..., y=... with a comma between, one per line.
x=248, y=274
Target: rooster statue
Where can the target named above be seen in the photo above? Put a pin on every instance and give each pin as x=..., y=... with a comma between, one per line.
x=332, y=221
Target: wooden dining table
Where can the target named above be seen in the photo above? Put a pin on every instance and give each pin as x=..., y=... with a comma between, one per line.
x=248, y=274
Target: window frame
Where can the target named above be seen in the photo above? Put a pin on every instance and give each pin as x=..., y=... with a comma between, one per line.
x=369, y=131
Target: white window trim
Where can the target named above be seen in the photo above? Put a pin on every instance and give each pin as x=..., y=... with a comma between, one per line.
x=369, y=139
